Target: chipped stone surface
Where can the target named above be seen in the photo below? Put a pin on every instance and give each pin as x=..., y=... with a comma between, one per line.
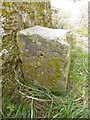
x=45, y=54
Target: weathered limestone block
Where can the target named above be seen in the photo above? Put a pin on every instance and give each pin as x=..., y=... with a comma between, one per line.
x=45, y=54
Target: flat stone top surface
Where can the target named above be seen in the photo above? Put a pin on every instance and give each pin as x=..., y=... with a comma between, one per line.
x=46, y=32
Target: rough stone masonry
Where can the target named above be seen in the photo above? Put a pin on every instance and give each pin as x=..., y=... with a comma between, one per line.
x=45, y=56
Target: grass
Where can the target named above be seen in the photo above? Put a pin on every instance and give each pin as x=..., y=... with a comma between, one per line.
x=58, y=107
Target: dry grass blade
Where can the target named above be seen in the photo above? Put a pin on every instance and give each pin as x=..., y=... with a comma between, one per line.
x=34, y=98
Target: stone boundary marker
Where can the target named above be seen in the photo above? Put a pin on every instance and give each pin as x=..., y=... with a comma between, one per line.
x=45, y=56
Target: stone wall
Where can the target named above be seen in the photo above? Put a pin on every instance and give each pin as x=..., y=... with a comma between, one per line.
x=16, y=17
